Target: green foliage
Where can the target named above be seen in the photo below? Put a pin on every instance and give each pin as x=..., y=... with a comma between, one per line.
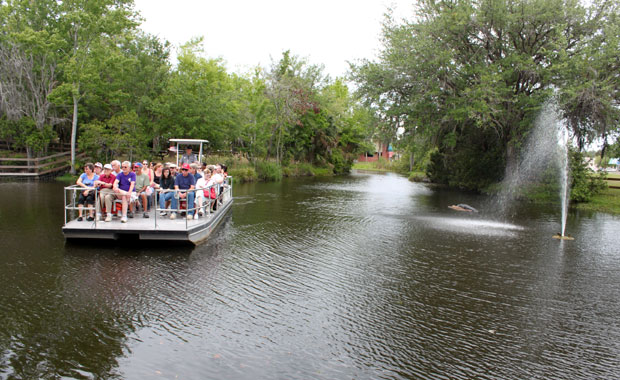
x=302, y=169
x=585, y=184
x=112, y=89
x=465, y=80
x=112, y=138
x=24, y=133
x=268, y=171
x=383, y=165
x=243, y=174
x=417, y=176
x=607, y=201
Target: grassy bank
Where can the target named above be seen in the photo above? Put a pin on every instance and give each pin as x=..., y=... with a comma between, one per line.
x=67, y=178
x=372, y=166
x=270, y=171
x=608, y=201
x=381, y=166
x=244, y=171
x=392, y=166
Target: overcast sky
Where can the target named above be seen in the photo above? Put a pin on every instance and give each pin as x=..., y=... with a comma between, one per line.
x=246, y=33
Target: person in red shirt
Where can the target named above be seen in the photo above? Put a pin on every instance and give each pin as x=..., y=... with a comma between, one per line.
x=106, y=194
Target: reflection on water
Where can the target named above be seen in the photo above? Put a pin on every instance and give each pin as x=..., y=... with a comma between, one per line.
x=365, y=276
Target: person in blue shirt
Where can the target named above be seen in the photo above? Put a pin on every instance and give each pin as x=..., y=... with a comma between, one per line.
x=87, y=181
x=184, y=181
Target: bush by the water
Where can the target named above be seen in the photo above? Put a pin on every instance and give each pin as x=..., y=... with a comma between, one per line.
x=243, y=174
x=268, y=171
x=585, y=183
x=298, y=170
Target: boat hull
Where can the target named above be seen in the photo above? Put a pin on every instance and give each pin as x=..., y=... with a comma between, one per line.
x=154, y=228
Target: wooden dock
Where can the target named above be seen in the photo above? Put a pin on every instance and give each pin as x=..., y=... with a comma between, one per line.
x=35, y=168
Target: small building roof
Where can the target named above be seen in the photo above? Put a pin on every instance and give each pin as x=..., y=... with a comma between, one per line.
x=189, y=141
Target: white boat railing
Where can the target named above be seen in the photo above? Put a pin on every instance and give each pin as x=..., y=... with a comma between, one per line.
x=223, y=194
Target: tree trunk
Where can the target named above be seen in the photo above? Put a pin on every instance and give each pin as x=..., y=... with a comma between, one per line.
x=156, y=144
x=74, y=132
x=511, y=159
x=411, y=161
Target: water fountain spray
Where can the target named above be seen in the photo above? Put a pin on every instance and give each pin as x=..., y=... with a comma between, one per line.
x=547, y=146
x=564, y=180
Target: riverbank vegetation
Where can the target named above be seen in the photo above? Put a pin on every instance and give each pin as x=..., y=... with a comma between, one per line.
x=607, y=201
x=455, y=90
x=462, y=82
x=82, y=72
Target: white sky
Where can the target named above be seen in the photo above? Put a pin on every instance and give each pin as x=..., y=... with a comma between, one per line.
x=246, y=33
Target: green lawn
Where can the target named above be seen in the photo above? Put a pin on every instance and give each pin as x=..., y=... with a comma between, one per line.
x=368, y=166
x=613, y=175
x=608, y=201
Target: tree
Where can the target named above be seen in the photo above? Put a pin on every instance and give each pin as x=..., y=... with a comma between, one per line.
x=29, y=48
x=469, y=77
x=85, y=25
x=590, y=92
x=198, y=100
x=291, y=86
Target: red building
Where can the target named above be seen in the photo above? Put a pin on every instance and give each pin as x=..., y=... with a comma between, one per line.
x=383, y=151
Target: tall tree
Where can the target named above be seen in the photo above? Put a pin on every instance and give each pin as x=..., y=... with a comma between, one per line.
x=291, y=86
x=471, y=77
x=85, y=25
x=29, y=45
x=590, y=90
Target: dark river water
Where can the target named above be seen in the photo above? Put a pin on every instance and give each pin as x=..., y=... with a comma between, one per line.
x=366, y=276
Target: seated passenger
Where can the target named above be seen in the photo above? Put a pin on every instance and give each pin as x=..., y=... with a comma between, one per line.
x=87, y=181
x=147, y=169
x=166, y=190
x=202, y=193
x=106, y=194
x=193, y=169
x=157, y=172
x=184, y=181
x=98, y=168
x=143, y=183
x=218, y=180
x=173, y=170
x=116, y=167
x=123, y=187
x=210, y=193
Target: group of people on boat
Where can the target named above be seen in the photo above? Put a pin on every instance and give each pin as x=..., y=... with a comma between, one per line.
x=195, y=184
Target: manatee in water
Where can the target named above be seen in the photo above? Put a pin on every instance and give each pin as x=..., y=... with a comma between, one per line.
x=463, y=207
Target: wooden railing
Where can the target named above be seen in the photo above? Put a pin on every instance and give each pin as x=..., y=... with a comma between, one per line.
x=35, y=167
x=615, y=185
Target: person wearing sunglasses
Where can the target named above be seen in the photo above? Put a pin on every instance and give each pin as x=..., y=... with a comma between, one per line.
x=123, y=187
x=184, y=181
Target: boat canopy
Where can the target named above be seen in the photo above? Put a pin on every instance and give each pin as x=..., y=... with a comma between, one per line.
x=180, y=142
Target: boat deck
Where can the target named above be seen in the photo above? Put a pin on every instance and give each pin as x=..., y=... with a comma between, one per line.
x=153, y=228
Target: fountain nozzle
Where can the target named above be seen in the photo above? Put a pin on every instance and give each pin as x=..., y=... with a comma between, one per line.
x=563, y=237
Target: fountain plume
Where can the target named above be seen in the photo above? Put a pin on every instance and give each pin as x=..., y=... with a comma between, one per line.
x=546, y=148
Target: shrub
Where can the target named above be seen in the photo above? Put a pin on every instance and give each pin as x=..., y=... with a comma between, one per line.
x=417, y=177
x=585, y=183
x=240, y=175
x=268, y=171
x=341, y=164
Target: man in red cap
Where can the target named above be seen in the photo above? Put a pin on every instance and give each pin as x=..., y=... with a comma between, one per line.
x=184, y=181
